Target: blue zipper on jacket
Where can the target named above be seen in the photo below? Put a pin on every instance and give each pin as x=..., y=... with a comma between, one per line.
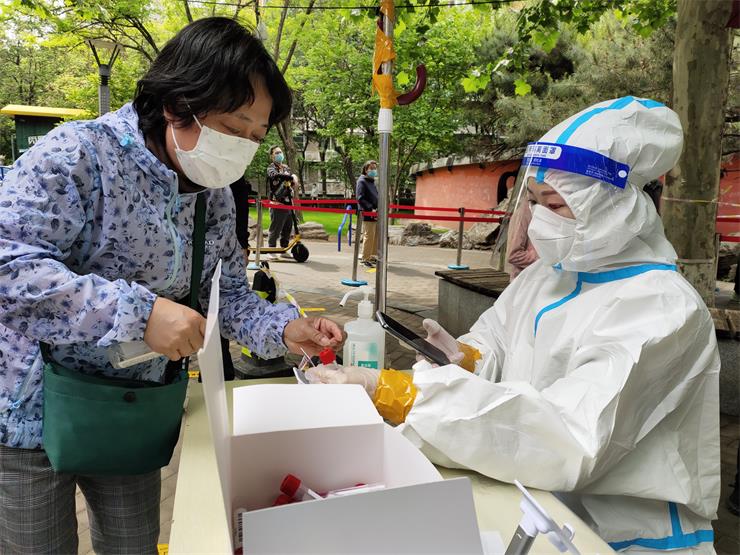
x=171, y=207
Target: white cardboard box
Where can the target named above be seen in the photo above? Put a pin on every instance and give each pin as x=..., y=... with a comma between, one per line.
x=331, y=437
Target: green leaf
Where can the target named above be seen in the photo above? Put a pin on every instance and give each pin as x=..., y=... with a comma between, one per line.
x=522, y=88
x=546, y=39
x=470, y=84
x=400, y=27
x=476, y=81
x=402, y=78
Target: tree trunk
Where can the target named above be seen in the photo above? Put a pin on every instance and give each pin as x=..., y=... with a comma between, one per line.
x=322, y=157
x=285, y=130
x=701, y=74
x=348, y=170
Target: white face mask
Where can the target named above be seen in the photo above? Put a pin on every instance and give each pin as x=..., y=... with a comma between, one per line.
x=217, y=160
x=551, y=234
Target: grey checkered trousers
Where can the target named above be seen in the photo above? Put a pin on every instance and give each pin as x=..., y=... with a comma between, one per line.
x=37, y=508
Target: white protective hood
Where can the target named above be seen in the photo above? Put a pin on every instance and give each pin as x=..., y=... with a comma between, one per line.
x=616, y=226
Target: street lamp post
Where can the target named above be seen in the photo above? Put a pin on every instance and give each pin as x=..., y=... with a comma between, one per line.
x=104, y=70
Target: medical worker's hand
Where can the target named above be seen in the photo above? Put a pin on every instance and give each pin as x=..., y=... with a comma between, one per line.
x=366, y=377
x=174, y=330
x=438, y=336
x=312, y=335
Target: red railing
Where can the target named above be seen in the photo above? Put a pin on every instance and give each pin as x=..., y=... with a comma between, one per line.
x=302, y=205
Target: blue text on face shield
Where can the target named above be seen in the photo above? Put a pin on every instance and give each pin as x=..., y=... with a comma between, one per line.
x=573, y=159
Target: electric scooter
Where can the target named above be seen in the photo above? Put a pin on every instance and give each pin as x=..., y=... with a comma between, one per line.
x=298, y=250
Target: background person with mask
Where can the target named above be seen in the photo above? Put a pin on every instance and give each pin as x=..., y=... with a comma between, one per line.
x=595, y=373
x=280, y=183
x=367, y=199
x=95, y=243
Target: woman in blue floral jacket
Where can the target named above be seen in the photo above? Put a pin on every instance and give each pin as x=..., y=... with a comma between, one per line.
x=96, y=224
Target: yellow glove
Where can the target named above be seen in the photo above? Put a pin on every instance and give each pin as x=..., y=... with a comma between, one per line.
x=394, y=395
x=392, y=392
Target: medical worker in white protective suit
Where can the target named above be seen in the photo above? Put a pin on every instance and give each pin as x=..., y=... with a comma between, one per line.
x=596, y=371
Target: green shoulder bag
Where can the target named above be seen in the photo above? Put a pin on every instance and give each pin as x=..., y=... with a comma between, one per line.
x=112, y=426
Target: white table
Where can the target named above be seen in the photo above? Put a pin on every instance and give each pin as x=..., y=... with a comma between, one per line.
x=199, y=527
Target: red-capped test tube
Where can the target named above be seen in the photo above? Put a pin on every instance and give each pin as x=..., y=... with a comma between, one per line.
x=283, y=499
x=292, y=487
x=328, y=357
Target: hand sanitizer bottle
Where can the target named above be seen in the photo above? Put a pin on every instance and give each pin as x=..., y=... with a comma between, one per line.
x=365, y=344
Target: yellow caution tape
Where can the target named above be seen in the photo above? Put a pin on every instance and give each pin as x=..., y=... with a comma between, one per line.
x=291, y=300
x=384, y=52
x=383, y=84
x=394, y=395
x=387, y=8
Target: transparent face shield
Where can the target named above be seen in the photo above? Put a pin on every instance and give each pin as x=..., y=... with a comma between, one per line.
x=583, y=178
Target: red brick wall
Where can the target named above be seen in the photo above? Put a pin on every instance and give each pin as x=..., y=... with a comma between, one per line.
x=471, y=186
x=729, y=196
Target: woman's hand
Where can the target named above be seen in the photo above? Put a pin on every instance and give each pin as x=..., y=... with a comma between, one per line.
x=174, y=330
x=312, y=335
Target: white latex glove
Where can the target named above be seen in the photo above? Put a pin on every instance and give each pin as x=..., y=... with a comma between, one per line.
x=438, y=336
x=366, y=377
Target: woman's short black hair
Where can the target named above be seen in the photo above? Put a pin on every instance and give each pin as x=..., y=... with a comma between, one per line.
x=208, y=67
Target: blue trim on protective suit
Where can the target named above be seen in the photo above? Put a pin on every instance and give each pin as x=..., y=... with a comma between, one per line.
x=678, y=540
x=602, y=277
x=556, y=304
x=623, y=273
x=583, y=118
x=651, y=103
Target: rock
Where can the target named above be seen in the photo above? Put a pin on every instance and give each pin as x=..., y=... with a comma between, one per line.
x=313, y=230
x=728, y=255
x=419, y=233
x=395, y=234
x=482, y=235
x=449, y=240
x=732, y=273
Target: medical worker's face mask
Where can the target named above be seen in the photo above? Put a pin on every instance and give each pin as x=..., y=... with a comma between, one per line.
x=372, y=173
x=279, y=158
x=217, y=160
x=551, y=234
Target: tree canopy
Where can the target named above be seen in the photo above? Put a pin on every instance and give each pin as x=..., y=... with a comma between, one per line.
x=500, y=73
